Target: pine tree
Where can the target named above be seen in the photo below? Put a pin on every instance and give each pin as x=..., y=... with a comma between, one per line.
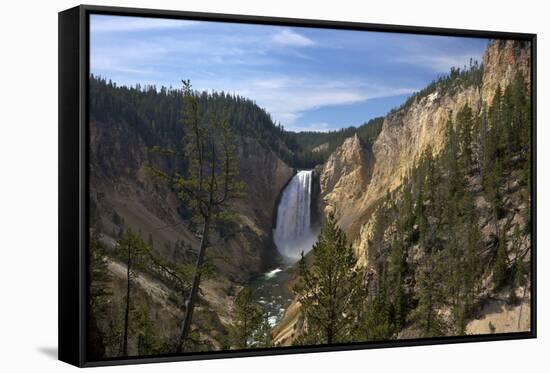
x=465, y=124
x=429, y=297
x=500, y=269
x=211, y=181
x=330, y=288
x=382, y=219
x=493, y=136
x=135, y=254
x=263, y=334
x=397, y=273
x=406, y=210
x=378, y=319
x=248, y=318
x=519, y=265
x=148, y=341
x=493, y=183
x=470, y=274
x=455, y=179
x=99, y=294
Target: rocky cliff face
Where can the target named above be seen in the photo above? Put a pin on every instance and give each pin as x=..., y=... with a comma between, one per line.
x=265, y=176
x=252, y=250
x=405, y=135
x=343, y=179
x=353, y=180
x=501, y=61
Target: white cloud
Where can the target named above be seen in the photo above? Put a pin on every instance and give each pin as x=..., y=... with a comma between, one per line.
x=100, y=23
x=289, y=98
x=291, y=38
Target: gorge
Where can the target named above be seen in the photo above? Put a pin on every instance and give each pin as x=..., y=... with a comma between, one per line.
x=366, y=176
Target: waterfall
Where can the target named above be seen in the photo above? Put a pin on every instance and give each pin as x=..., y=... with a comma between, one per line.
x=293, y=233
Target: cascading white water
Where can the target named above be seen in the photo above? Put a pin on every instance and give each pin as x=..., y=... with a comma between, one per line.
x=292, y=233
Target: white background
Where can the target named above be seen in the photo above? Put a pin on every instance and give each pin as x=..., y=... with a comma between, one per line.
x=28, y=186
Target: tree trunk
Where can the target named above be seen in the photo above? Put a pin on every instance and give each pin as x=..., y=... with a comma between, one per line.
x=186, y=325
x=521, y=305
x=245, y=334
x=127, y=311
x=331, y=322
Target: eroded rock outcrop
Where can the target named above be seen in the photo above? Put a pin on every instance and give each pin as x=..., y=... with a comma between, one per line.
x=354, y=179
x=344, y=178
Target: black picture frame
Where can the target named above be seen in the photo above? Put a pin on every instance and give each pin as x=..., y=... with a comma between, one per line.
x=74, y=175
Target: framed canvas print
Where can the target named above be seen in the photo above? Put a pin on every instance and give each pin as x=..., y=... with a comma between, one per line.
x=239, y=186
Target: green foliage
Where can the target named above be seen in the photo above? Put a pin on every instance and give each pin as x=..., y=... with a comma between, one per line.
x=148, y=340
x=177, y=276
x=500, y=271
x=429, y=297
x=312, y=148
x=506, y=137
x=135, y=254
x=455, y=182
x=434, y=212
x=262, y=336
x=132, y=250
x=520, y=278
x=100, y=294
x=248, y=321
x=100, y=278
x=113, y=328
x=212, y=179
x=381, y=314
x=330, y=289
x=449, y=84
x=426, y=248
x=465, y=125
x=154, y=114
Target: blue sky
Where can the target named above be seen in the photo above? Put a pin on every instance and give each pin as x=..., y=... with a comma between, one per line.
x=307, y=79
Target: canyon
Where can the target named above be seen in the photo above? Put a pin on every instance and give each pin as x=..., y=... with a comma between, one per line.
x=278, y=218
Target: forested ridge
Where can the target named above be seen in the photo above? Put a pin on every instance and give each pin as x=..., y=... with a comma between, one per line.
x=156, y=114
